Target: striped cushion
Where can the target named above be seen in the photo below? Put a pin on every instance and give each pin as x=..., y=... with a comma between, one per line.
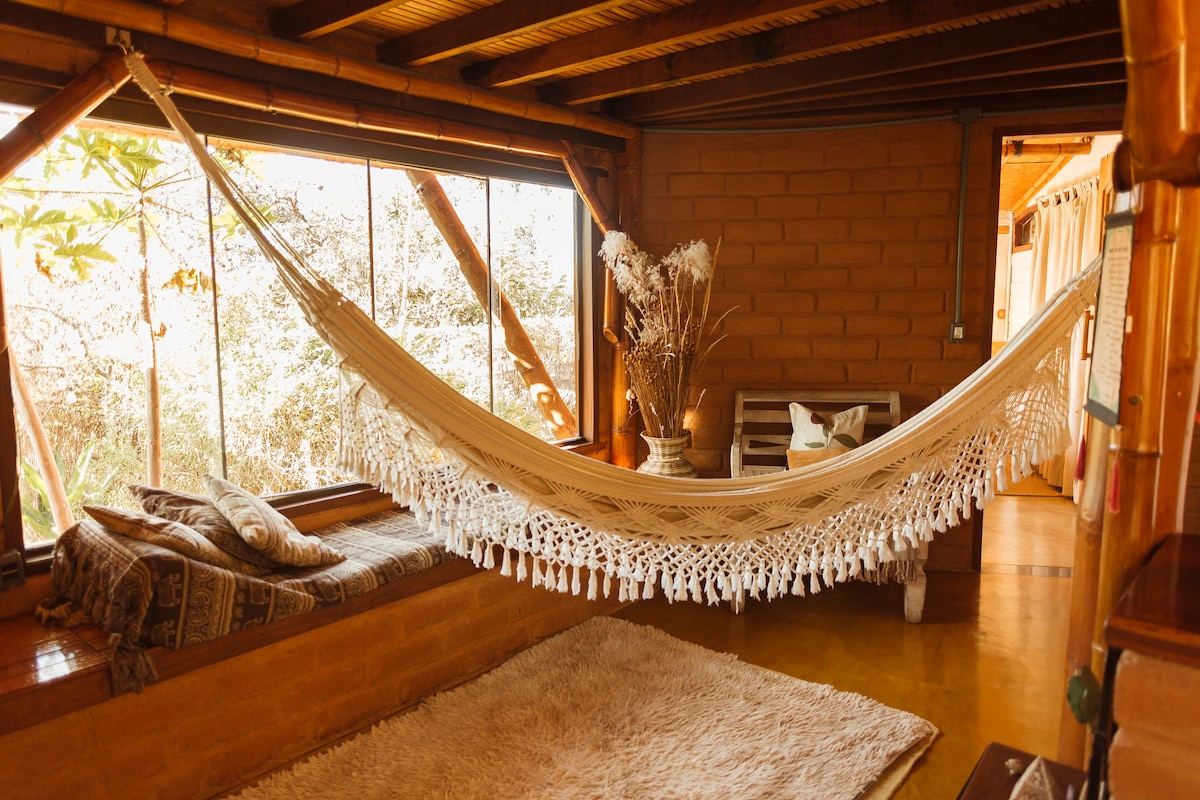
x=174, y=536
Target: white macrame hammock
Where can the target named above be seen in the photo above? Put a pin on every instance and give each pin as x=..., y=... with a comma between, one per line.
x=506, y=498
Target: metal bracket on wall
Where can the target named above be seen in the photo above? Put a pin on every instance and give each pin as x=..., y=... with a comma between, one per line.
x=12, y=570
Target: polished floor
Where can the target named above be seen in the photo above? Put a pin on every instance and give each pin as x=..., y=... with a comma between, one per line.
x=986, y=663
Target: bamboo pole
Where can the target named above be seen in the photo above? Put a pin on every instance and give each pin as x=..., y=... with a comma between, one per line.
x=43, y=452
x=267, y=50
x=1160, y=376
x=1085, y=582
x=36, y=131
x=525, y=356
x=264, y=97
x=1160, y=141
x=624, y=422
x=76, y=100
x=13, y=535
x=1129, y=526
x=613, y=305
x=1182, y=389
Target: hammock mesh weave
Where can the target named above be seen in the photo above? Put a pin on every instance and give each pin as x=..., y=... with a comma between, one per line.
x=506, y=498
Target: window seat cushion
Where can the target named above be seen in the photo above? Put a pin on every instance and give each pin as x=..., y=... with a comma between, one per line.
x=144, y=595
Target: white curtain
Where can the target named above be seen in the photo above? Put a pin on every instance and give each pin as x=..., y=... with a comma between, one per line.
x=1067, y=230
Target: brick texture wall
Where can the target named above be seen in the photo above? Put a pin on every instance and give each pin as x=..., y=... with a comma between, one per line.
x=838, y=257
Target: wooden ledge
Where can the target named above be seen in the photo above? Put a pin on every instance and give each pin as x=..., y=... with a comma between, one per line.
x=46, y=672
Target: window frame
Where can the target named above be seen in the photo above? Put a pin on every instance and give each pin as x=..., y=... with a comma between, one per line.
x=300, y=136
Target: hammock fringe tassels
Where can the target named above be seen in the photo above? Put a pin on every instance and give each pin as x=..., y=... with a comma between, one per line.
x=508, y=500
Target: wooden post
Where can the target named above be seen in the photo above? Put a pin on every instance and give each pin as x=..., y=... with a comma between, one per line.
x=76, y=100
x=1182, y=389
x=1085, y=581
x=1129, y=526
x=525, y=356
x=625, y=424
x=613, y=306
x=1160, y=378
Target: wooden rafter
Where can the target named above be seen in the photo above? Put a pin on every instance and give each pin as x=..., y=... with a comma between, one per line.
x=672, y=27
x=69, y=106
x=965, y=90
x=309, y=19
x=232, y=41
x=484, y=26
x=1013, y=36
x=860, y=26
x=985, y=73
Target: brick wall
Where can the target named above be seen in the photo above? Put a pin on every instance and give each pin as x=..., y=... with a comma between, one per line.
x=838, y=256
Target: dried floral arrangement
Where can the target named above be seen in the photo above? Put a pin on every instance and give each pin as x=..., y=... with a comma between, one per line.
x=665, y=314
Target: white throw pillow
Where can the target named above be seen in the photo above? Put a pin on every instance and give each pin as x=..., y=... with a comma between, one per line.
x=265, y=529
x=812, y=430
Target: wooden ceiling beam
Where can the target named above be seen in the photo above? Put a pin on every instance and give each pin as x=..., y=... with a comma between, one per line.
x=664, y=29
x=1093, y=51
x=309, y=19
x=483, y=27
x=1020, y=151
x=1110, y=96
x=946, y=98
x=859, y=26
x=306, y=58
x=1012, y=35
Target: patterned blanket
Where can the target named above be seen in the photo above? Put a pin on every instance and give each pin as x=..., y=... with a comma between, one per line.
x=145, y=595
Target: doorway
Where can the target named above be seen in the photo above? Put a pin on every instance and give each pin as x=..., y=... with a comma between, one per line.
x=1054, y=192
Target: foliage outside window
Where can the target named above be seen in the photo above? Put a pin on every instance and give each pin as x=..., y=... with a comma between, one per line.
x=118, y=279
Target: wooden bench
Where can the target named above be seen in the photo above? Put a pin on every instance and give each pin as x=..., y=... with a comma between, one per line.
x=762, y=424
x=762, y=431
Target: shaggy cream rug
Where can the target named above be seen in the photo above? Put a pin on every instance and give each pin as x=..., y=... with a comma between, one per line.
x=614, y=709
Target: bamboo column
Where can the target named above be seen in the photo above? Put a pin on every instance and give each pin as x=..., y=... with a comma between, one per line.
x=279, y=52
x=625, y=425
x=624, y=444
x=1129, y=525
x=1085, y=582
x=1183, y=354
x=612, y=297
x=525, y=356
x=76, y=100
x=1160, y=376
x=1182, y=389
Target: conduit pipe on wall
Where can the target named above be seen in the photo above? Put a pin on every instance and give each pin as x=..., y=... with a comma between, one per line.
x=966, y=117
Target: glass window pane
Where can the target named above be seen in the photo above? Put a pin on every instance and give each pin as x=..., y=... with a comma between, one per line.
x=533, y=253
x=279, y=378
x=113, y=221
x=101, y=230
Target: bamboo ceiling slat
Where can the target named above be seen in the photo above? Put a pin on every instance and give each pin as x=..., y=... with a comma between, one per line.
x=263, y=97
x=124, y=14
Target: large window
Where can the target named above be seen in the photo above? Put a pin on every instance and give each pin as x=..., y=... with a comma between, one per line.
x=137, y=303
